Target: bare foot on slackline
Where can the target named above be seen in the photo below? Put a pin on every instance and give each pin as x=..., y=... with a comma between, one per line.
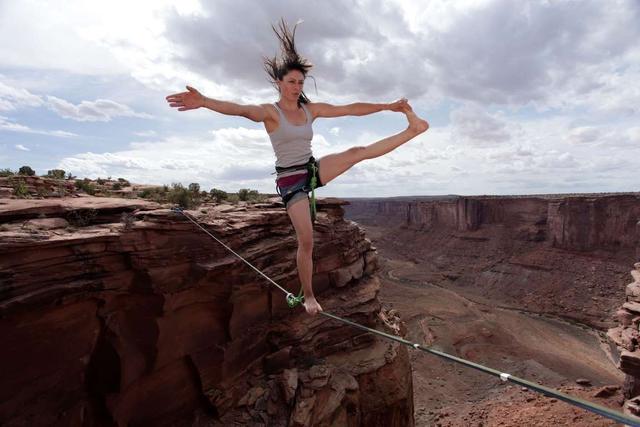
x=312, y=306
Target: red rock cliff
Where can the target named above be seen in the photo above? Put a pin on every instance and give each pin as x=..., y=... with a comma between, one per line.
x=117, y=312
x=561, y=255
x=625, y=338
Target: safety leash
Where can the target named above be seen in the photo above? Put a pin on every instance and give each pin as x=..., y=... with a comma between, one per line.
x=313, y=183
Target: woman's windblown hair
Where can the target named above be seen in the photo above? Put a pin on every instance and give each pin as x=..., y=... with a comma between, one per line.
x=289, y=59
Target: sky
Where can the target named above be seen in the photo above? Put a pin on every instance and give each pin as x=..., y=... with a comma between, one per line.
x=522, y=97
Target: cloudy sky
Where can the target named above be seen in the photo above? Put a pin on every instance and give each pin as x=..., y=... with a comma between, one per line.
x=522, y=96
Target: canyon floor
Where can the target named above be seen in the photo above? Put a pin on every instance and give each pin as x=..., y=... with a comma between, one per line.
x=542, y=348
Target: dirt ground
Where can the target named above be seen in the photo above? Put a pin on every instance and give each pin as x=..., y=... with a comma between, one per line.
x=544, y=349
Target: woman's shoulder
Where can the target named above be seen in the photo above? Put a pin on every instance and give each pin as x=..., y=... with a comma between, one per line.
x=271, y=110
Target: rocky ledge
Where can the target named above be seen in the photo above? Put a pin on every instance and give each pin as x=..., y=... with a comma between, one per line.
x=122, y=312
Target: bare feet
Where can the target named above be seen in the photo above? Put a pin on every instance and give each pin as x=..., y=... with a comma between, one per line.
x=416, y=124
x=312, y=306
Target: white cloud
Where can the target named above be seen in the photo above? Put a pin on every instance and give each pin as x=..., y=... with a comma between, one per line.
x=145, y=133
x=7, y=125
x=21, y=147
x=584, y=134
x=12, y=98
x=102, y=110
x=474, y=124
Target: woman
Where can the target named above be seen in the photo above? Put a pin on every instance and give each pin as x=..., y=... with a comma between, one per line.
x=288, y=123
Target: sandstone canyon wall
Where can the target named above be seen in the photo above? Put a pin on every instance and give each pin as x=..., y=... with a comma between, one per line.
x=561, y=255
x=119, y=312
x=626, y=338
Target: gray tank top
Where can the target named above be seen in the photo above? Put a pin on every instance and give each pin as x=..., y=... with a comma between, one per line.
x=291, y=143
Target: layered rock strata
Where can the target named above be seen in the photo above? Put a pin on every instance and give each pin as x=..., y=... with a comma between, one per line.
x=120, y=312
x=625, y=339
x=566, y=256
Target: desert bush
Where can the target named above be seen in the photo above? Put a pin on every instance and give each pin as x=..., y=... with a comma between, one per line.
x=246, y=194
x=182, y=197
x=81, y=217
x=56, y=173
x=86, y=185
x=127, y=219
x=6, y=172
x=194, y=187
x=218, y=195
x=26, y=170
x=20, y=189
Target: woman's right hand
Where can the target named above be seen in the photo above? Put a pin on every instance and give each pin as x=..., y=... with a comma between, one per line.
x=189, y=100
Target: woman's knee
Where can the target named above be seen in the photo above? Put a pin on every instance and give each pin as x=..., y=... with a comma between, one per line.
x=305, y=243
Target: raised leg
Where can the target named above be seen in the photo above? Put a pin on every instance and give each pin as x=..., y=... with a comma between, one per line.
x=334, y=165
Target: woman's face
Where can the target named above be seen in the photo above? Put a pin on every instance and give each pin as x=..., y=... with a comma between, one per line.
x=291, y=85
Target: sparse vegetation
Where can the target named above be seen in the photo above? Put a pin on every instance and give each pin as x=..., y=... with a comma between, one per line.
x=194, y=187
x=42, y=192
x=116, y=186
x=20, y=189
x=55, y=173
x=251, y=196
x=183, y=197
x=26, y=170
x=127, y=219
x=86, y=186
x=6, y=172
x=81, y=217
x=61, y=189
x=218, y=195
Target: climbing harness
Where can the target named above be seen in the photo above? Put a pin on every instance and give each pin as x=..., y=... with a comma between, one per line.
x=293, y=300
x=310, y=184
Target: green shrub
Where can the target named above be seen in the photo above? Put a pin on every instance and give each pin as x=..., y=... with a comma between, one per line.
x=182, y=197
x=247, y=195
x=124, y=182
x=20, y=190
x=100, y=181
x=194, y=187
x=218, y=195
x=6, y=172
x=81, y=217
x=26, y=170
x=56, y=173
x=86, y=185
x=116, y=186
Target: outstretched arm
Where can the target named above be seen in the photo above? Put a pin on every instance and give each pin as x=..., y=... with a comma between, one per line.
x=321, y=109
x=193, y=99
